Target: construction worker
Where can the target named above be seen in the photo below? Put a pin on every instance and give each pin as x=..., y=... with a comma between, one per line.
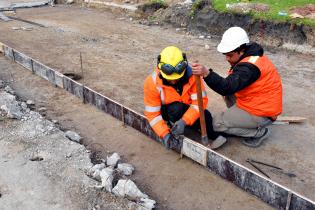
x=170, y=98
x=252, y=90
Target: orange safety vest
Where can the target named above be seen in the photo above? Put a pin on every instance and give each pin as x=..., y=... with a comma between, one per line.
x=263, y=97
x=156, y=94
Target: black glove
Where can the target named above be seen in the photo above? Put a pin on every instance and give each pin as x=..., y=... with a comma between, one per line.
x=167, y=141
x=170, y=142
x=179, y=127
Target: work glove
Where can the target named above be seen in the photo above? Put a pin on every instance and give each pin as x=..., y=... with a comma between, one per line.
x=170, y=142
x=178, y=128
x=167, y=141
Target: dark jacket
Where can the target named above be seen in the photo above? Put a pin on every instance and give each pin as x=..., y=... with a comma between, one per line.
x=244, y=74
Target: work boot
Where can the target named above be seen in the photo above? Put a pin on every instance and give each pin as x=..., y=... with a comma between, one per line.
x=257, y=141
x=218, y=142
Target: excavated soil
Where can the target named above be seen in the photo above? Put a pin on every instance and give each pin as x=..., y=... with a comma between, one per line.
x=117, y=54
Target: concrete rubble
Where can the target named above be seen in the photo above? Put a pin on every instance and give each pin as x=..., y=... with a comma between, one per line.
x=113, y=160
x=73, y=136
x=125, y=168
x=125, y=188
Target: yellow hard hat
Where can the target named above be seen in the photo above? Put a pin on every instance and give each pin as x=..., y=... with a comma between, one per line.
x=172, y=63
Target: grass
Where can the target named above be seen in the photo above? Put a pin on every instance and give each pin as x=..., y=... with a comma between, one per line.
x=276, y=6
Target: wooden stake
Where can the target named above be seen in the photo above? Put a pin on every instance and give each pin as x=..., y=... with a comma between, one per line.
x=204, y=137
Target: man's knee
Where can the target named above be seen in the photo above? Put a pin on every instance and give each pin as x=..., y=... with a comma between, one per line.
x=174, y=111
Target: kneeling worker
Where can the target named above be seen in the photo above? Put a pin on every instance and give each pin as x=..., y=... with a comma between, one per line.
x=252, y=89
x=170, y=98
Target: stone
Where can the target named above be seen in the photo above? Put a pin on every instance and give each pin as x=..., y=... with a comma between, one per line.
x=207, y=47
x=30, y=102
x=113, y=159
x=73, y=136
x=127, y=188
x=95, y=171
x=13, y=110
x=147, y=203
x=24, y=105
x=125, y=168
x=107, y=178
x=8, y=89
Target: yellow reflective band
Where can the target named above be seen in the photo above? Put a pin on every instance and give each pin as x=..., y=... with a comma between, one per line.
x=152, y=108
x=155, y=120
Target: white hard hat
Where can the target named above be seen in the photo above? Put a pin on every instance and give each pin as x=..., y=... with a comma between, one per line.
x=232, y=39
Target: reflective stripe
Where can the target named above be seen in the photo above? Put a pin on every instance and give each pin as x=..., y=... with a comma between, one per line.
x=194, y=95
x=161, y=91
x=155, y=120
x=152, y=108
x=253, y=59
x=153, y=75
x=195, y=107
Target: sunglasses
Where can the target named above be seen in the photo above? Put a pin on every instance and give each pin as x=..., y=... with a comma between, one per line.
x=169, y=69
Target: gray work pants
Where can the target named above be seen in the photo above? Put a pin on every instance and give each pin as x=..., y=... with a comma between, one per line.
x=238, y=122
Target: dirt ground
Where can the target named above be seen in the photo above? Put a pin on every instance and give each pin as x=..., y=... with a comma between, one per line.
x=118, y=53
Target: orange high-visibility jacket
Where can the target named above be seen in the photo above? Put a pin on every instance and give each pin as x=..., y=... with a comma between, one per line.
x=156, y=94
x=263, y=97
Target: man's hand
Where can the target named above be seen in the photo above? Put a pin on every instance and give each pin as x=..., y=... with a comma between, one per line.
x=198, y=69
x=167, y=141
x=170, y=142
x=178, y=128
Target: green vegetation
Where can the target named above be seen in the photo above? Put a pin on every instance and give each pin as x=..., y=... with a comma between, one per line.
x=276, y=6
x=158, y=2
x=197, y=5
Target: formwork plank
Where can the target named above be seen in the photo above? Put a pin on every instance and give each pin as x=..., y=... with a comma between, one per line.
x=73, y=87
x=50, y=73
x=59, y=79
x=300, y=203
x=110, y=106
x=23, y=60
x=8, y=52
x=251, y=182
x=89, y=95
x=138, y=122
x=40, y=69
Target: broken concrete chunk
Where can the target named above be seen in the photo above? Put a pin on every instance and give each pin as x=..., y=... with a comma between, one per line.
x=125, y=168
x=127, y=188
x=24, y=105
x=147, y=203
x=107, y=177
x=113, y=160
x=13, y=111
x=73, y=136
x=8, y=89
x=30, y=102
x=95, y=171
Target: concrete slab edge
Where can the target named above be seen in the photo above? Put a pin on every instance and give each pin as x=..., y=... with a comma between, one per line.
x=267, y=190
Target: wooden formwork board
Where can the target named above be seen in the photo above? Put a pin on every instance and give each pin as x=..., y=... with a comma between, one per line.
x=267, y=190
